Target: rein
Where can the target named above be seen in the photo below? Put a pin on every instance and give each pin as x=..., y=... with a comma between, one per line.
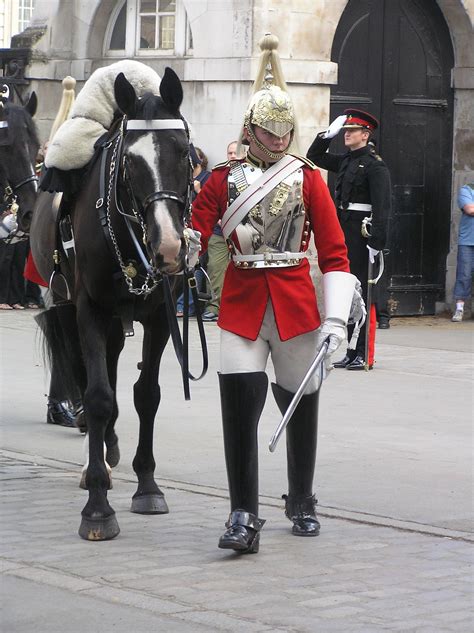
x=109, y=188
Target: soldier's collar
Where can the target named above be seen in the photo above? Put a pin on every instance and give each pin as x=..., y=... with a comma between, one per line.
x=253, y=160
x=359, y=152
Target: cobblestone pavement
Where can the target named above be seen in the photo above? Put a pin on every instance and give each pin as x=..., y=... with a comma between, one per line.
x=165, y=572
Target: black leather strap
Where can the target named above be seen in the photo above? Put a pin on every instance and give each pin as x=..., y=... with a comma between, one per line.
x=181, y=345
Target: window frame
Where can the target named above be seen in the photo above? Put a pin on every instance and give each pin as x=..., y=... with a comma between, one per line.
x=132, y=33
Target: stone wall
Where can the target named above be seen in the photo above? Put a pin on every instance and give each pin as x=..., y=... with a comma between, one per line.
x=217, y=77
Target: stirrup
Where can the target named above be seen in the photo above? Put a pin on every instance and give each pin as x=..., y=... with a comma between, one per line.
x=243, y=532
x=301, y=510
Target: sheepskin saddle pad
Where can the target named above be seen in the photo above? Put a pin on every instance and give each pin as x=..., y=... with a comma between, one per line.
x=72, y=147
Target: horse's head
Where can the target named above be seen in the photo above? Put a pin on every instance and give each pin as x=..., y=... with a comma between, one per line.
x=156, y=168
x=19, y=147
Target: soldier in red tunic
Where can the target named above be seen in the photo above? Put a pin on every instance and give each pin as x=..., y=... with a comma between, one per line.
x=269, y=203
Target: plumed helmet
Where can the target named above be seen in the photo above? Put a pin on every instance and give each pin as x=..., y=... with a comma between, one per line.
x=270, y=107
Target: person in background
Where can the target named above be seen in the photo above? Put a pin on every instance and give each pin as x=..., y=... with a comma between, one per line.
x=200, y=176
x=465, y=261
x=218, y=254
x=362, y=190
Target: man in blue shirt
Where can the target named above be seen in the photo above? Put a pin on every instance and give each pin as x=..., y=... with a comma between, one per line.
x=465, y=263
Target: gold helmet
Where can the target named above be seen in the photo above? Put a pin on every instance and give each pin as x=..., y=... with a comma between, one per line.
x=270, y=107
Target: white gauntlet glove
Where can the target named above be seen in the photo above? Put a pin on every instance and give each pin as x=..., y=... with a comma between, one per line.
x=372, y=254
x=7, y=225
x=336, y=330
x=193, y=242
x=358, y=312
x=338, y=294
x=335, y=127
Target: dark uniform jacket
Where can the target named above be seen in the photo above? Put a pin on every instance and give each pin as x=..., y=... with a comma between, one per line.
x=362, y=177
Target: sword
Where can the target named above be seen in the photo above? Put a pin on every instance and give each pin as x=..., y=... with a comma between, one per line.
x=298, y=395
x=371, y=281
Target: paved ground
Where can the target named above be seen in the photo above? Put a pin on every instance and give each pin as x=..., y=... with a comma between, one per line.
x=394, y=480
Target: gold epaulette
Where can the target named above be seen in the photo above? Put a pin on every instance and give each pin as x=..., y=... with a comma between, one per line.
x=306, y=161
x=225, y=164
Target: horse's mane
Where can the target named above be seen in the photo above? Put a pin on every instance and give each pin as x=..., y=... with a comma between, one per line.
x=18, y=117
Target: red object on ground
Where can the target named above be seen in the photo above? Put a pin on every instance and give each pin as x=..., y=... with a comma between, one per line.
x=31, y=272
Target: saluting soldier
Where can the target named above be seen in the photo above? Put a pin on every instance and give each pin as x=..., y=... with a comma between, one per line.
x=362, y=191
x=269, y=202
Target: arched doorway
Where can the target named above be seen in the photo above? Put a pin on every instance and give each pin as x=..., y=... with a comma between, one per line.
x=394, y=60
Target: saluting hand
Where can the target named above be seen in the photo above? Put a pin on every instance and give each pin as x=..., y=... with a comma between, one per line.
x=335, y=127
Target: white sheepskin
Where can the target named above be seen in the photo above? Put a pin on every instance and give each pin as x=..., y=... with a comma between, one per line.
x=72, y=147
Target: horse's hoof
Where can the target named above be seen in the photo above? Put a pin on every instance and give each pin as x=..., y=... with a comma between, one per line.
x=149, y=504
x=113, y=455
x=102, y=529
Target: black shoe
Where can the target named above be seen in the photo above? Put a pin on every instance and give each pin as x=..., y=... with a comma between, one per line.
x=243, y=532
x=302, y=511
x=348, y=358
x=357, y=364
x=384, y=323
x=60, y=413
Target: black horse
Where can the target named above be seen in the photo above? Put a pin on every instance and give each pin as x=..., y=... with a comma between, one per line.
x=129, y=225
x=19, y=147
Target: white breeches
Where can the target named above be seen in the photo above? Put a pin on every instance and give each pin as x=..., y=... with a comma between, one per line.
x=291, y=359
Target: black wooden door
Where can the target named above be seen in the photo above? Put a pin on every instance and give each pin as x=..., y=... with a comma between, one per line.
x=394, y=60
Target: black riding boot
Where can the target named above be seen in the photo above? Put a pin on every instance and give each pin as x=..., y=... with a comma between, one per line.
x=301, y=441
x=242, y=400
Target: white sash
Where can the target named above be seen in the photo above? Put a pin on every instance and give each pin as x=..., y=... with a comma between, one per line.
x=236, y=212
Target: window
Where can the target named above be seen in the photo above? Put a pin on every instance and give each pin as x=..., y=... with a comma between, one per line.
x=148, y=27
x=25, y=13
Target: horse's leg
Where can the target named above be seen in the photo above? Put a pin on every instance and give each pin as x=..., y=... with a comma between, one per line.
x=115, y=342
x=98, y=518
x=115, y=345
x=149, y=499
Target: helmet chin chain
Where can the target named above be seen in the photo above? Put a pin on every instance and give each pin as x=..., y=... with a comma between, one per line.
x=261, y=146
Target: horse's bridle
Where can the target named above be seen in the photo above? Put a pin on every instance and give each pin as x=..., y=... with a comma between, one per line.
x=10, y=198
x=143, y=125
x=138, y=215
x=118, y=173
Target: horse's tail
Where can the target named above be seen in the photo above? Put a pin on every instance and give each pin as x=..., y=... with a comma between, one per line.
x=61, y=351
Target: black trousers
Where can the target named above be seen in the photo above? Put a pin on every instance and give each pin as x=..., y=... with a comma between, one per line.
x=12, y=265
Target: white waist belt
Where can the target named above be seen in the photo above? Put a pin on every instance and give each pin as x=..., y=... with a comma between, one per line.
x=358, y=206
x=268, y=260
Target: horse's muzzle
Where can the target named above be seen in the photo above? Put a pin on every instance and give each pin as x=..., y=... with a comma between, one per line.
x=170, y=258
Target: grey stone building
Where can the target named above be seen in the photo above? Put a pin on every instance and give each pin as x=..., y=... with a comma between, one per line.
x=410, y=62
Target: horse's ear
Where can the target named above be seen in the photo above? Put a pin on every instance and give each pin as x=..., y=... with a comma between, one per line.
x=171, y=90
x=125, y=95
x=32, y=104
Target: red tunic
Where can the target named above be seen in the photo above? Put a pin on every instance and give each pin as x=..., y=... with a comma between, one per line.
x=246, y=292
